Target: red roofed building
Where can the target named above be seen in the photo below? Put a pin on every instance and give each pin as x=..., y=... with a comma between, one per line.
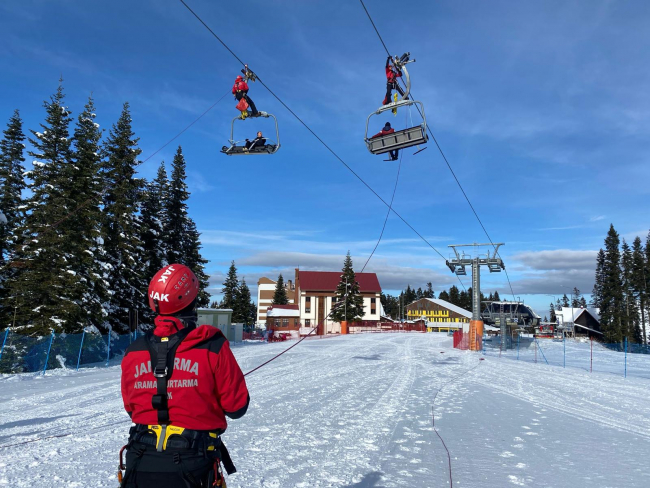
x=283, y=317
x=315, y=294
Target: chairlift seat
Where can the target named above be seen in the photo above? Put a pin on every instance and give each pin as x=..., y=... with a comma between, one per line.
x=398, y=140
x=240, y=150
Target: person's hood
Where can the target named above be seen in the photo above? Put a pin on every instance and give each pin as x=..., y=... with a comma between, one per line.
x=386, y=127
x=239, y=78
x=167, y=325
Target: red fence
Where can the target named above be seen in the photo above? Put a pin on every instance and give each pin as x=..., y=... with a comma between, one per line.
x=462, y=341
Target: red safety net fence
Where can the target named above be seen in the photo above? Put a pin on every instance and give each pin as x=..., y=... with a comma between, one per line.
x=462, y=341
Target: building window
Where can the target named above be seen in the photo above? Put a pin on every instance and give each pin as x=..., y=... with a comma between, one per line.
x=373, y=301
x=307, y=304
x=285, y=322
x=277, y=322
x=307, y=323
x=307, y=299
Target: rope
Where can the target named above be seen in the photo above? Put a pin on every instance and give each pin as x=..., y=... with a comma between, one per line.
x=277, y=356
x=445, y=158
x=387, y=213
x=314, y=134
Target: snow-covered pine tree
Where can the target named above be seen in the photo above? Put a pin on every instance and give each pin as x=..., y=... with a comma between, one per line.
x=12, y=215
x=45, y=290
x=86, y=255
x=12, y=184
x=429, y=293
x=611, y=305
x=151, y=228
x=444, y=295
x=454, y=295
x=349, y=302
x=639, y=284
x=280, y=293
x=565, y=301
x=576, y=297
x=497, y=298
x=151, y=217
x=230, y=287
x=182, y=239
x=121, y=224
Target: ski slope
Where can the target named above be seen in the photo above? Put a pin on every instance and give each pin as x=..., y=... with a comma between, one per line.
x=356, y=411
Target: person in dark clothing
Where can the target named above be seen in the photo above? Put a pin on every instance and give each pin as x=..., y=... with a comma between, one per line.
x=259, y=141
x=385, y=131
x=240, y=90
x=179, y=382
x=391, y=82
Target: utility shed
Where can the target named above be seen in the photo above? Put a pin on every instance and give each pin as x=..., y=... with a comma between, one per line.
x=221, y=318
x=218, y=317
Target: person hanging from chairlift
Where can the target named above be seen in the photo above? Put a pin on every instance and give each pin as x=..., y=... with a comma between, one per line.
x=240, y=91
x=258, y=142
x=385, y=131
x=392, y=73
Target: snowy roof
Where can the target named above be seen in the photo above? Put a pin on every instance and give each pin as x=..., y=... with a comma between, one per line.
x=451, y=306
x=565, y=313
x=329, y=280
x=283, y=311
x=587, y=328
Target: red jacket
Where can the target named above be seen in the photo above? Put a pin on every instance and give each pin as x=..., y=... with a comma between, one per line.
x=392, y=75
x=240, y=85
x=383, y=133
x=206, y=383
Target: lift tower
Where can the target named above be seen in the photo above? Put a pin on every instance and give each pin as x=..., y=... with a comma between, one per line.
x=494, y=265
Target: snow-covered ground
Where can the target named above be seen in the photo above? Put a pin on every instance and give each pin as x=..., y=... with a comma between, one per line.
x=356, y=411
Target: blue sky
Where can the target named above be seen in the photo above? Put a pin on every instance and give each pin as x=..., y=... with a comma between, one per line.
x=542, y=108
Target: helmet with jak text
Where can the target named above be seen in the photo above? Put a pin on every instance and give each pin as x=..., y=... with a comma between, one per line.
x=172, y=289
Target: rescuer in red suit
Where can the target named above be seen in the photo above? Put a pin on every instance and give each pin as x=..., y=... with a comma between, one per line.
x=240, y=90
x=179, y=382
x=384, y=132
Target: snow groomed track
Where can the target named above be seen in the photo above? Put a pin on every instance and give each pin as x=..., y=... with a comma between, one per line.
x=355, y=411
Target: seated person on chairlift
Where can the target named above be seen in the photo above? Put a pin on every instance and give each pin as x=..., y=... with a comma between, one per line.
x=384, y=132
x=259, y=141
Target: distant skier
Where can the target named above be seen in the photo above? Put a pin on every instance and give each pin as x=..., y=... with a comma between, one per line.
x=178, y=384
x=240, y=90
x=384, y=132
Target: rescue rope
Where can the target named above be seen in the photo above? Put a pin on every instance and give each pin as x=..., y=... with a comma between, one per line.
x=433, y=417
x=277, y=356
x=453, y=173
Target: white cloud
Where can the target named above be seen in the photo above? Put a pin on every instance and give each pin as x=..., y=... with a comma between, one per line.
x=597, y=218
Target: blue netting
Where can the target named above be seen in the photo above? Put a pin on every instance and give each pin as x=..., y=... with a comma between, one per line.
x=581, y=354
x=25, y=354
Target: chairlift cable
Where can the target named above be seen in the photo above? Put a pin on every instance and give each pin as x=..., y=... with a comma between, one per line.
x=315, y=135
x=445, y=159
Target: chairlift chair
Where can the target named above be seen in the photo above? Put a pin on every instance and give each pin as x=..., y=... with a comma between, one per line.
x=238, y=148
x=402, y=139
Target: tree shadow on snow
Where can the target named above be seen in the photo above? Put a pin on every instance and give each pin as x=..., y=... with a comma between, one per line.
x=374, y=357
x=370, y=480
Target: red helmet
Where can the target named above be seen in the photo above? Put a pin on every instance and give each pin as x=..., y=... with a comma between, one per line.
x=172, y=289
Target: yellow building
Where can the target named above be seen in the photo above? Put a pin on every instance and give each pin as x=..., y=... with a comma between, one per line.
x=440, y=315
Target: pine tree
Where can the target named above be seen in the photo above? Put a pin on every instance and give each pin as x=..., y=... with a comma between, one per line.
x=121, y=224
x=242, y=309
x=444, y=295
x=182, y=239
x=419, y=294
x=409, y=296
x=497, y=298
x=12, y=183
x=576, y=298
x=611, y=306
x=454, y=295
x=552, y=313
x=45, y=289
x=151, y=228
x=230, y=287
x=639, y=284
x=280, y=294
x=630, y=313
x=429, y=293
x=348, y=296
x=86, y=253
x=565, y=301
x=599, y=280
x=583, y=302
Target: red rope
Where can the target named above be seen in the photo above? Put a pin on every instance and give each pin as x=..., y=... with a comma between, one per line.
x=276, y=357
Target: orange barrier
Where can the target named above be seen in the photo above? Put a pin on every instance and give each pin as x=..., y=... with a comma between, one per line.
x=475, y=330
x=344, y=327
